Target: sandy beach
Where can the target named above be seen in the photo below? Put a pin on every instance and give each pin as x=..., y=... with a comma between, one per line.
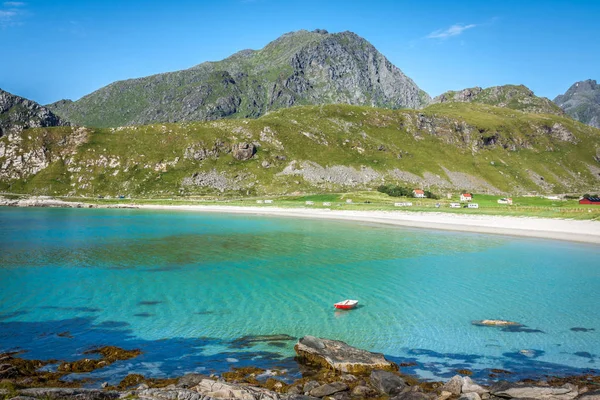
x=560, y=229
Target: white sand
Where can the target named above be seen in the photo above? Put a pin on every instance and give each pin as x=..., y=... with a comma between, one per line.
x=561, y=229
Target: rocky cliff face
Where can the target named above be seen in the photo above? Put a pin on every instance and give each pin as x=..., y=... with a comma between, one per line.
x=18, y=113
x=582, y=102
x=508, y=96
x=298, y=68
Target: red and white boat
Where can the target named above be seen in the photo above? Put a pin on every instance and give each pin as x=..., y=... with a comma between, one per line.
x=346, y=304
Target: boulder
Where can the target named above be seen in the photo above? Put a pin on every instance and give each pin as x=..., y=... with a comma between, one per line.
x=387, y=382
x=365, y=392
x=223, y=390
x=444, y=395
x=595, y=395
x=469, y=386
x=66, y=393
x=454, y=385
x=167, y=394
x=515, y=390
x=298, y=397
x=470, y=396
x=340, y=356
x=310, y=385
x=190, y=380
x=328, y=389
x=243, y=151
x=412, y=396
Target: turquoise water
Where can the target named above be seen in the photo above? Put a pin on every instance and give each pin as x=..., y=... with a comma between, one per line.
x=185, y=287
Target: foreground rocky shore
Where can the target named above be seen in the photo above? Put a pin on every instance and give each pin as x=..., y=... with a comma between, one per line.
x=331, y=370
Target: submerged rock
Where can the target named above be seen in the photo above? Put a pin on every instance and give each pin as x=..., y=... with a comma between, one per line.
x=340, y=356
x=495, y=322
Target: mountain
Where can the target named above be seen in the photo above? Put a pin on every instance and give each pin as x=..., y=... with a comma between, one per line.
x=582, y=102
x=448, y=146
x=18, y=113
x=299, y=68
x=516, y=97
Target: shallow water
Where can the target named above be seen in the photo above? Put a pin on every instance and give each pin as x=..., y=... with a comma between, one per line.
x=184, y=286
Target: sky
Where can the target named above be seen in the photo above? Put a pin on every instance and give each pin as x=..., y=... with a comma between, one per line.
x=65, y=49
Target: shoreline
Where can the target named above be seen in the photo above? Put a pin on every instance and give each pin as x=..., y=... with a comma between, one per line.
x=581, y=231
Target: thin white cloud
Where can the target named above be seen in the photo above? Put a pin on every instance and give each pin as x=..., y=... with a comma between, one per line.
x=11, y=12
x=454, y=30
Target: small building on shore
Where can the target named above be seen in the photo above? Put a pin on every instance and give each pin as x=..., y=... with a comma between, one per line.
x=454, y=205
x=506, y=200
x=590, y=201
x=419, y=193
x=466, y=197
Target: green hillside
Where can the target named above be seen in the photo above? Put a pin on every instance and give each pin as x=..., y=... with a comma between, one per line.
x=334, y=148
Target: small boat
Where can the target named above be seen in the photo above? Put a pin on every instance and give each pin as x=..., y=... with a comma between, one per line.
x=346, y=304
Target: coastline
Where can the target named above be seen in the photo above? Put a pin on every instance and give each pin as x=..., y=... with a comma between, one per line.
x=557, y=229
x=582, y=231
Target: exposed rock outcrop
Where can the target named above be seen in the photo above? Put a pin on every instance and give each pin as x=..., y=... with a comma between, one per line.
x=582, y=102
x=339, y=356
x=18, y=113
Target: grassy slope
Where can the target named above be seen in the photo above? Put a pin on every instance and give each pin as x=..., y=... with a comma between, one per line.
x=353, y=136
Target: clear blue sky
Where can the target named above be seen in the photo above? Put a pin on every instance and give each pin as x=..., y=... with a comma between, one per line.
x=54, y=49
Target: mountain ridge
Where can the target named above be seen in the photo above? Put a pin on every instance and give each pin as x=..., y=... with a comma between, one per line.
x=18, y=113
x=298, y=68
x=582, y=102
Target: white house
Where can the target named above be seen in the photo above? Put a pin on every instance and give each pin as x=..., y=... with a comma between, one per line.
x=309, y=203
x=259, y=201
x=327, y=204
x=418, y=193
x=454, y=205
x=506, y=200
x=268, y=201
x=473, y=205
x=466, y=197
x=348, y=201
x=404, y=204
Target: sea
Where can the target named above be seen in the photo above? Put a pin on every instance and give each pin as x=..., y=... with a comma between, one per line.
x=208, y=292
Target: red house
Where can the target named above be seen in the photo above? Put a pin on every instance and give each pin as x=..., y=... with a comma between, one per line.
x=590, y=200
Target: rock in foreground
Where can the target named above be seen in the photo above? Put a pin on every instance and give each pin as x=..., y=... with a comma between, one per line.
x=340, y=356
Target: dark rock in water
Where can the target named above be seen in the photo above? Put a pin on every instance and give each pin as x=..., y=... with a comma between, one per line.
x=340, y=356
x=243, y=151
x=387, y=382
x=149, y=303
x=578, y=329
x=584, y=354
x=248, y=341
x=63, y=393
x=520, y=390
x=328, y=389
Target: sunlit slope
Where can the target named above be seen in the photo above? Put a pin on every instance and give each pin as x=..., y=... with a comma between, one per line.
x=453, y=146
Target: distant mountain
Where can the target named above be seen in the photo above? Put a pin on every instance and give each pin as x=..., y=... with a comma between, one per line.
x=582, y=102
x=516, y=97
x=17, y=113
x=299, y=68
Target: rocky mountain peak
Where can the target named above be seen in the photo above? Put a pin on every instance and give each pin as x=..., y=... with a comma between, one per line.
x=302, y=67
x=582, y=102
x=18, y=113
